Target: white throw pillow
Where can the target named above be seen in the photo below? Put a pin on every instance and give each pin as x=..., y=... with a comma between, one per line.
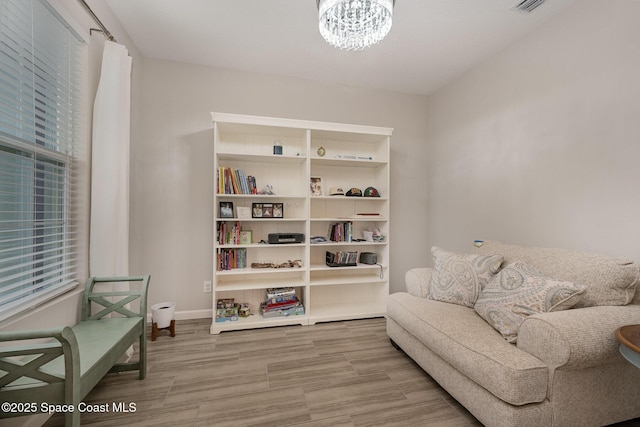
x=519, y=291
x=458, y=278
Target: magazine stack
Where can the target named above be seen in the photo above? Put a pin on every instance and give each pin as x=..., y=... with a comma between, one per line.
x=281, y=302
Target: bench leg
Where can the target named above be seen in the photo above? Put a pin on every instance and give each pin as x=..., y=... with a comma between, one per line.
x=142, y=373
x=72, y=419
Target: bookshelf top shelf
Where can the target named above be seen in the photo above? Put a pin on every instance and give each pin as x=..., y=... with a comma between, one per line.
x=263, y=158
x=364, y=163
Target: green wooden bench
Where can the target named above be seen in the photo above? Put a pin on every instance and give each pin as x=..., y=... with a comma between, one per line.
x=63, y=370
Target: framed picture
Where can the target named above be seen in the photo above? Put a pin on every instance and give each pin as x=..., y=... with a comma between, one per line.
x=243, y=212
x=226, y=209
x=316, y=186
x=267, y=210
x=256, y=210
x=278, y=210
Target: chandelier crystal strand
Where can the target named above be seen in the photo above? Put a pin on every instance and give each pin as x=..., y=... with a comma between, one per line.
x=354, y=24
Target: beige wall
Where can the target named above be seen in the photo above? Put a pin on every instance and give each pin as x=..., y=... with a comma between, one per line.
x=172, y=175
x=540, y=145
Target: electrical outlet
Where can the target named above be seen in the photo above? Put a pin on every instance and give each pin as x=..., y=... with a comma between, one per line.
x=207, y=286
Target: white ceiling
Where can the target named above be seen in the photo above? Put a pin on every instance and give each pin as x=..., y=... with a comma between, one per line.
x=431, y=41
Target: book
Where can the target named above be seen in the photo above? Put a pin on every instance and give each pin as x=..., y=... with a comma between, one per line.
x=245, y=237
x=276, y=292
x=226, y=310
x=280, y=298
x=271, y=306
x=297, y=309
x=225, y=303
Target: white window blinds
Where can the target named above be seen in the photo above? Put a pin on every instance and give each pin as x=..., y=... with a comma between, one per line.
x=40, y=92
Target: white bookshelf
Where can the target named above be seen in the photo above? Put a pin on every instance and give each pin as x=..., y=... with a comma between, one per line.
x=355, y=157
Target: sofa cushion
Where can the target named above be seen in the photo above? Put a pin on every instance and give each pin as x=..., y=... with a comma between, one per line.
x=458, y=335
x=519, y=291
x=609, y=281
x=458, y=278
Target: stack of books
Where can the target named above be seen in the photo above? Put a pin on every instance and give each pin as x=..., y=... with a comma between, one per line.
x=281, y=302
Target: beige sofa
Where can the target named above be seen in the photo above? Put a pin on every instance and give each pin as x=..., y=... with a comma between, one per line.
x=564, y=369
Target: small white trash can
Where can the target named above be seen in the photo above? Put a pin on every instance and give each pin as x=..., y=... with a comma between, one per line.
x=162, y=314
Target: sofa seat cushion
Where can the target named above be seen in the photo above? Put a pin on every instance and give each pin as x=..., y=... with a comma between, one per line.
x=462, y=338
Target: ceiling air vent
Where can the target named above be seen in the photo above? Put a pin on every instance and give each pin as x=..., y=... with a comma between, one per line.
x=527, y=6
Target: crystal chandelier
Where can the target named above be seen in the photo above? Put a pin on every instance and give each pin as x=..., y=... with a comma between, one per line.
x=354, y=24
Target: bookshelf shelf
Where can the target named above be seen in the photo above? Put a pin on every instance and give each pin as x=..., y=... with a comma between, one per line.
x=244, y=163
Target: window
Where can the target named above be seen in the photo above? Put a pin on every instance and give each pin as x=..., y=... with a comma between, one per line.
x=41, y=143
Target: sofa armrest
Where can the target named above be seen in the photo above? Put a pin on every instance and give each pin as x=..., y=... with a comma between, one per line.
x=577, y=338
x=418, y=281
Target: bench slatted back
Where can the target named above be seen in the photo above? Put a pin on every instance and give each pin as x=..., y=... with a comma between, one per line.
x=114, y=301
x=24, y=363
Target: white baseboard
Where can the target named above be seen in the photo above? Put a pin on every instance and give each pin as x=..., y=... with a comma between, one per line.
x=188, y=315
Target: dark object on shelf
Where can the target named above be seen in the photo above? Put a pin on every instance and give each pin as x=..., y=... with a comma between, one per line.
x=226, y=210
x=368, y=258
x=371, y=192
x=282, y=238
x=341, y=259
x=354, y=192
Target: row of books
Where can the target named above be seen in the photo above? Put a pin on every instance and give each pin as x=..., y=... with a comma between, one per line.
x=228, y=259
x=228, y=234
x=232, y=234
x=341, y=231
x=235, y=181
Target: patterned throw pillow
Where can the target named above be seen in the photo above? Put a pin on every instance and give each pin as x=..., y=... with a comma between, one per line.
x=520, y=290
x=458, y=278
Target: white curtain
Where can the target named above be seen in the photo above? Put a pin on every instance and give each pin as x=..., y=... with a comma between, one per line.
x=109, y=233
x=109, y=230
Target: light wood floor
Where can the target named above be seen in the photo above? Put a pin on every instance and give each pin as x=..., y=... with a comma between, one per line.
x=331, y=374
